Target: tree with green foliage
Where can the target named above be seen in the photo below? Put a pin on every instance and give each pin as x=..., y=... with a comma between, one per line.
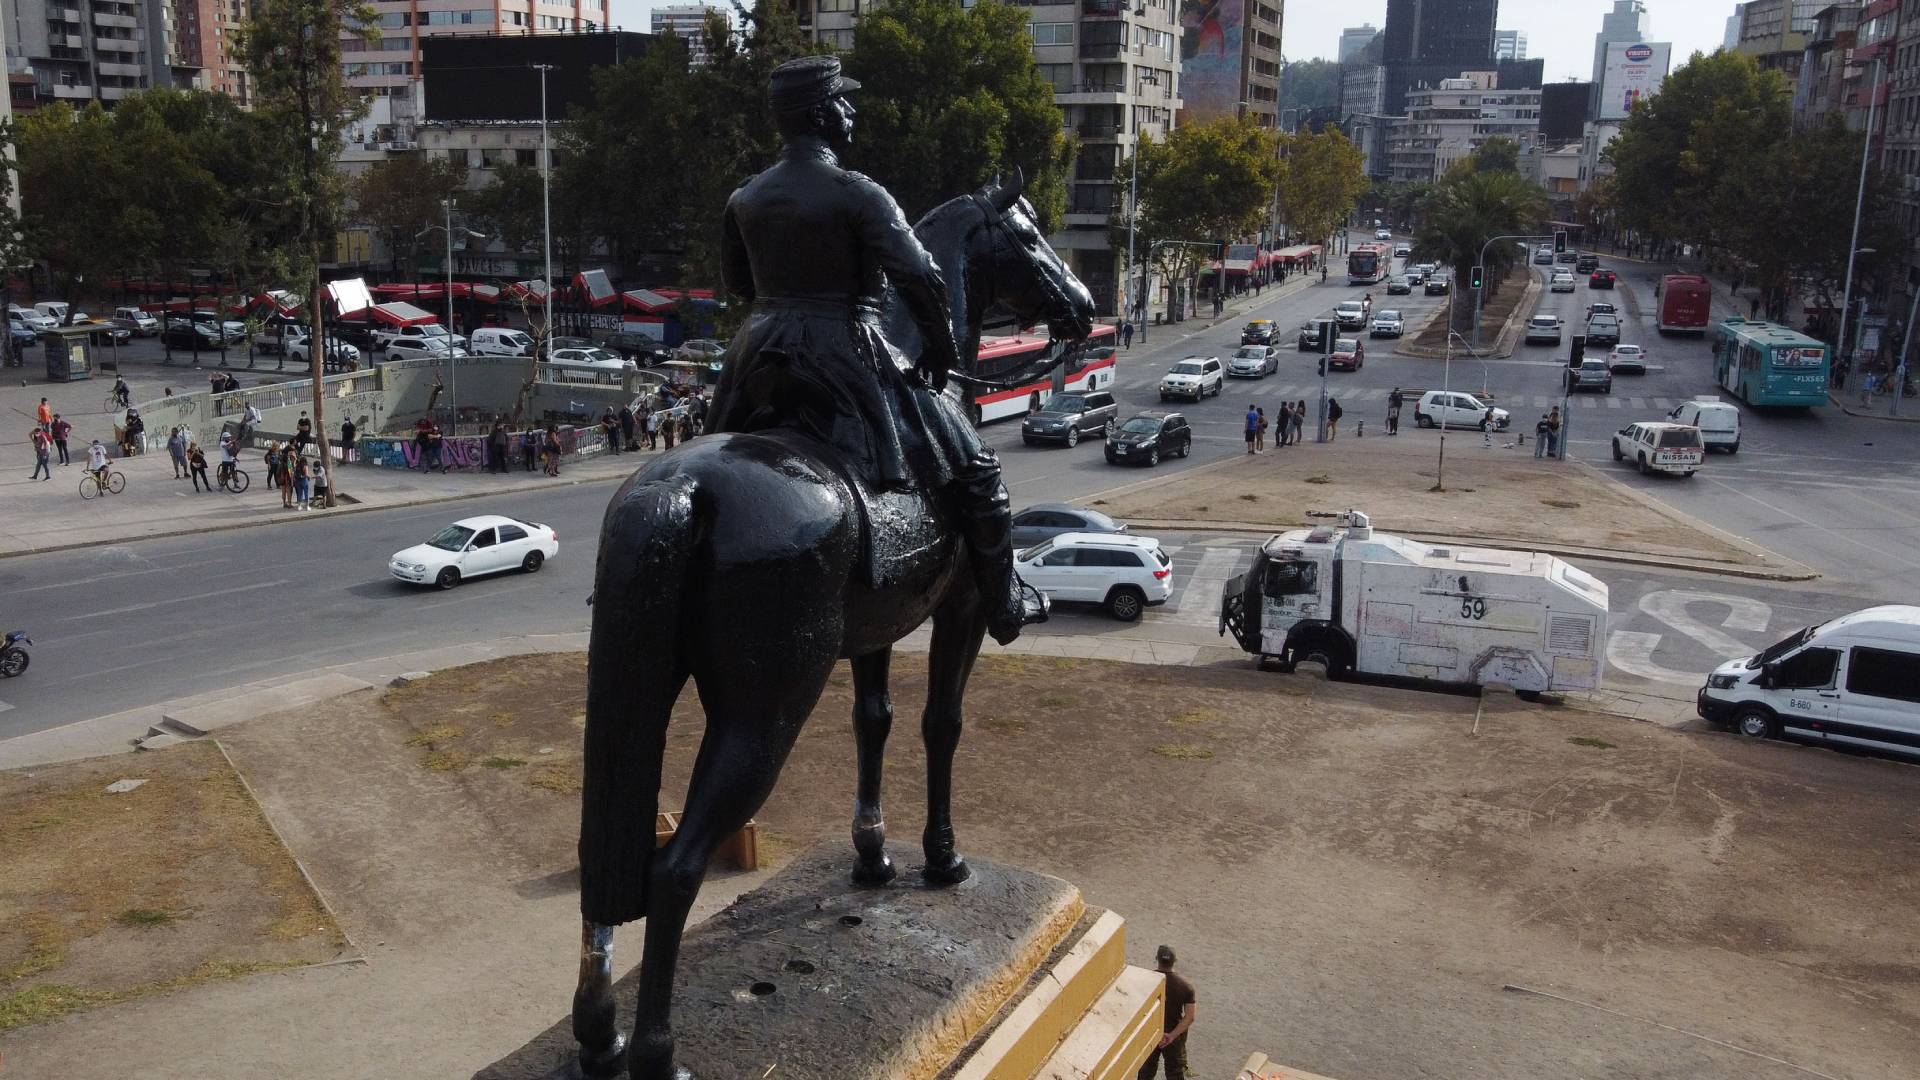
x=1310, y=84
x=1321, y=178
x=1680, y=152
x=1208, y=183
x=951, y=97
x=400, y=197
x=1464, y=212
x=1498, y=154
x=292, y=47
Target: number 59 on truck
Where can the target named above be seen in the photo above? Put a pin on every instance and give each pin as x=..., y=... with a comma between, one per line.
x=1360, y=602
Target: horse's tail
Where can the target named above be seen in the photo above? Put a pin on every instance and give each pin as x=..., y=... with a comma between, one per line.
x=634, y=671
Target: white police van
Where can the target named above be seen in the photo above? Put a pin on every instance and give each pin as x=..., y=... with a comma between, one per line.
x=1854, y=681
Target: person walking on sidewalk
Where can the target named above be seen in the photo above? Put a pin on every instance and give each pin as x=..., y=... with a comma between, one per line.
x=1176, y=1021
x=1334, y=413
x=1260, y=436
x=1126, y=334
x=653, y=427
x=1393, y=411
x=610, y=427
x=626, y=429
x=1299, y=418
x=497, y=448
x=42, y=451
x=60, y=430
x=1553, y=432
x=1253, y=427
x=283, y=469
x=302, y=483
x=1285, y=426
x=197, y=467
x=1541, y=437
x=529, y=448
x=347, y=432
x=550, y=447
x=44, y=417
x=177, y=450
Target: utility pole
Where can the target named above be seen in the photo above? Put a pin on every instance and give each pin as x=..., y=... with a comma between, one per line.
x=546, y=194
x=1329, y=329
x=1859, y=202
x=310, y=150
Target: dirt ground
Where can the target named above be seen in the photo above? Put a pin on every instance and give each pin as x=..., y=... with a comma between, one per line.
x=1498, y=495
x=105, y=897
x=1351, y=874
x=1492, y=317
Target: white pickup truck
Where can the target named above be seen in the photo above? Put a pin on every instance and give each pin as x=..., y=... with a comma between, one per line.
x=1356, y=601
x=419, y=340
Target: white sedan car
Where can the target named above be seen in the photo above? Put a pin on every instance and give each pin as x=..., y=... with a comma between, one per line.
x=475, y=547
x=593, y=357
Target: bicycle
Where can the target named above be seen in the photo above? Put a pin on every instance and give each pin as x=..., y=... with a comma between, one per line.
x=114, y=402
x=233, y=478
x=92, y=486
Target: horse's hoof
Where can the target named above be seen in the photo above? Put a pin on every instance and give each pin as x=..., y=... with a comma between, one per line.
x=603, y=1064
x=951, y=871
x=874, y=872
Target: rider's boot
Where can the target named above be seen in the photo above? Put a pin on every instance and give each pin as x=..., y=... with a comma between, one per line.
x=1010, y=603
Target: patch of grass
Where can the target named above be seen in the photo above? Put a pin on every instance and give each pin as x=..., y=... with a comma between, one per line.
x=1004, y=725
x=141, y=916
x=39, y=1004
x=437, y=734
x=1561, y=504
x=1586, y=740
x=1323, y=478
x=446, y=760
x=560, y=779
x=1195, y=716
x=1054, y=701
x=502, y=719
x=499, y=762
x=1184, y=751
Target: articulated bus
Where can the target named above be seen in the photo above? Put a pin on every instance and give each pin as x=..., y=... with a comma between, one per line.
x=1368, y=263
x=1686, y=302
x=1094, y=368
x=1768, y=364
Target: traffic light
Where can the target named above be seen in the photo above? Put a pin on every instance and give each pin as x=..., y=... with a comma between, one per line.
x=1559, y=241
x=1323, y=367
x=1577, y=351
x=1477, y=278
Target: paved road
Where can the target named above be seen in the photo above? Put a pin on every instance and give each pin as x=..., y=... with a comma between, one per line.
x=1839, y=493
x=128, y=625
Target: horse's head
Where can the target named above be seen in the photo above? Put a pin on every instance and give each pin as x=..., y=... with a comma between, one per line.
x=993, y=253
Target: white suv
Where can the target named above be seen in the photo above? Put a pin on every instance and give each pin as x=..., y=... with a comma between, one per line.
x=1542, y=329
x=1195, y=378
x=1562, y=281
x=1658, y=446
x=1125, y=574
x=1438, y=408
x=420, y=340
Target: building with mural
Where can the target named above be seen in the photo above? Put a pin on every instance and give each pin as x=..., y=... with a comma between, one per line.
x=1230, y=60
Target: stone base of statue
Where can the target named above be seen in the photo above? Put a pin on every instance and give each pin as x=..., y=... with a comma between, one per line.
x=1009, y=976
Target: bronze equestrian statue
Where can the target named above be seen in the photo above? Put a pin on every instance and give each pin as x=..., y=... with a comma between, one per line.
x=843, y=501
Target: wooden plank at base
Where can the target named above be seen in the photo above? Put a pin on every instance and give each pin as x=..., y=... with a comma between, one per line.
x=1022, y=1041
x=1112, y=1040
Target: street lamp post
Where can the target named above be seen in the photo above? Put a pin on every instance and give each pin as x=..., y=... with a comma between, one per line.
x=453, y=380
x=1859, y=203
x=546, y=194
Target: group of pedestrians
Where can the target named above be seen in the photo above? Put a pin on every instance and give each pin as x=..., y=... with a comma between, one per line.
x=665, y=419
x=301, y=482
x=1546, y=435
x=1287, y=428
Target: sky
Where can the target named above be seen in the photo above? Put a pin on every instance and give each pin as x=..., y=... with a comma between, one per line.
x=1558, y=31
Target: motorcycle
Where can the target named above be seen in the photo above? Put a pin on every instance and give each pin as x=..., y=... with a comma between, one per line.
x=13, y=654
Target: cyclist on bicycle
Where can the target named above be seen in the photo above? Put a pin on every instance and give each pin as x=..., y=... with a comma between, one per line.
x=122, y=397
x=229, y=456
x=97, y=462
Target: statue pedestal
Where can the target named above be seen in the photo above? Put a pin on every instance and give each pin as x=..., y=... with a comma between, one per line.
x=1009, y=976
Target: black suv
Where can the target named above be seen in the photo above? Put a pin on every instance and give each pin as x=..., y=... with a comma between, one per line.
x=643, y=350
x=1148, y=437
x=1603, y=330
x=1586, y=263
x=1309, y=337
x=1438, y=283
x=1066, y=417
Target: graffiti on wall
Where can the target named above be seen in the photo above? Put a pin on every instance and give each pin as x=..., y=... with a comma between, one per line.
x=464, y=453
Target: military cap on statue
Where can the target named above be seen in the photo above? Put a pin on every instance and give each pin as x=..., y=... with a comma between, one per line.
x=810, y=80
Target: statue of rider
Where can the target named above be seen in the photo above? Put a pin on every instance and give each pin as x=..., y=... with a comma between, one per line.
x=814, y=247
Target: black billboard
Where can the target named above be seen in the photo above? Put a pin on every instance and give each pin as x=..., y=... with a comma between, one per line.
x=494, y=77
x=1563, y=111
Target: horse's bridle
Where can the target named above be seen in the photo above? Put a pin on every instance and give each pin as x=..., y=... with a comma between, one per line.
x=1004, y=241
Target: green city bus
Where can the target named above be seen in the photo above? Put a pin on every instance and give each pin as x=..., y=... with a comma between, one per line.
x=1765, y=363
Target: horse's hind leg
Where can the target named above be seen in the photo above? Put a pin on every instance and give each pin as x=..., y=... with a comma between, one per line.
x=753, y=717
x=872, y=721
x=958, y=626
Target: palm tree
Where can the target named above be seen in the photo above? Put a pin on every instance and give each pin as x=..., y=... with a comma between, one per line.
x=1466, y=210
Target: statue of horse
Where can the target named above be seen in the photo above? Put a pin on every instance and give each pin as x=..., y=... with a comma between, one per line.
x=751, y=563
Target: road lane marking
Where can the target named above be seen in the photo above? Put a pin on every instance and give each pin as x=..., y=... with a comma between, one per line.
x=1670, y=606
x=1205, y=584
x=1784, y=512
x=1631, y=651
x=190, y=597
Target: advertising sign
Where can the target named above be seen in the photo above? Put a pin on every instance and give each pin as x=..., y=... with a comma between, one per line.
x=1212, y=37
x=1634, y=70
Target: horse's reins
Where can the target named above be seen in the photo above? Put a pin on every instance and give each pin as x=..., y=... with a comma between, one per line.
x=995, y=222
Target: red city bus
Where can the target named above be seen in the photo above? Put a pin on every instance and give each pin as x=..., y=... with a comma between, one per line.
x=1095, y=369
x=1686, y=302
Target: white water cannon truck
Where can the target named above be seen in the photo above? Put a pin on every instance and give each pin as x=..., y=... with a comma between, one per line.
x=1359, y=602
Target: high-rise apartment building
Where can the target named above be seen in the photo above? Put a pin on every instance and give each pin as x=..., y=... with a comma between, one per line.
x=100, y=52
x=203, y=36
x=1230, y=63
x=1355, y=38
x=390, y=65
x=1427, y=41
x=1448, y=122
x=1509, y=44
x=689, y=22
x=1626, y=22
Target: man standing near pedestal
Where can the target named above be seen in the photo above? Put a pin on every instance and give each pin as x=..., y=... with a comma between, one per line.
x=1179, y=1018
